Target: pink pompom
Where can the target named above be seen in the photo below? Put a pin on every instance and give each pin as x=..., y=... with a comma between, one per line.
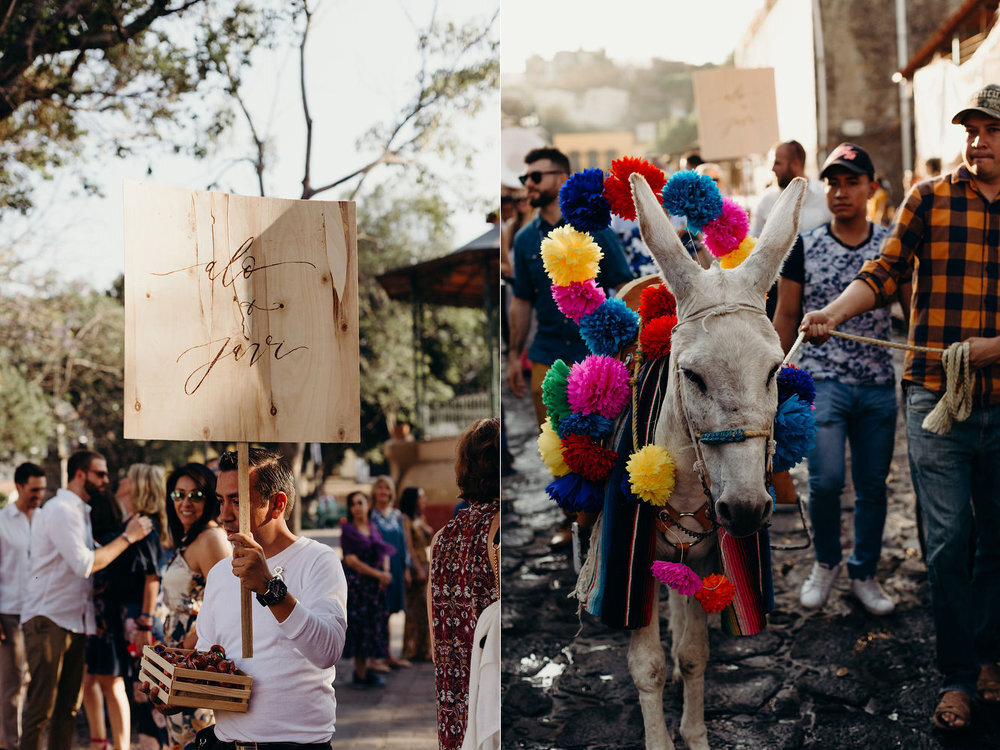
x=598, y=385
x=725, y=233
x=677, y=576
x=578, y=299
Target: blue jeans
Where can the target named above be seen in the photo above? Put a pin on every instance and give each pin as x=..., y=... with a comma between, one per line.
x=865, y=416
x=948, y=471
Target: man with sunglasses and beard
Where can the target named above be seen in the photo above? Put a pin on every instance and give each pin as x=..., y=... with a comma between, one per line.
x=58, y=611
x=556, y=337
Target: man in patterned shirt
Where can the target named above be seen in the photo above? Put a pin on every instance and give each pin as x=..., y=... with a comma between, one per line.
x=948, y=235
x=855, y=383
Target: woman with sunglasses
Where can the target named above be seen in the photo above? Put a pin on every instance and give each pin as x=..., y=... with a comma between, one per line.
x=199, y=543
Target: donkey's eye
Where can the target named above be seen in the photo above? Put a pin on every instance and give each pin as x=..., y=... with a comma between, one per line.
x=696, y=379
x=770, y=375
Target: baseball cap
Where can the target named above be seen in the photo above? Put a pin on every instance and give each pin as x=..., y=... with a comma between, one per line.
x=985, y=101
x=851, y=157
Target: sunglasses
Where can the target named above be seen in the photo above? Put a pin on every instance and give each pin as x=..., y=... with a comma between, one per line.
x=536, y=176
x=195, y=496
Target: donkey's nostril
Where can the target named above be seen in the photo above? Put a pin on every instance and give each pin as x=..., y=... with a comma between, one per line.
x=725, y=514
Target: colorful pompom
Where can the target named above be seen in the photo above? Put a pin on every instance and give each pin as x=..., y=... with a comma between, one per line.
x=598, y=385
x=554, y=392
x=618, y=190
x=610, y=327
x=651, y=474
x=591, y=425
x=569, y=255
x=587, y=458
x=655, y=336
x=677, y=576
x=693, y=196
x=716, y=593
x=794, y=432
x=582, y=201
x=656, y=300
x=578, y=299
x=574, y=494
x=740, y=254
x=551, y=450
x=725, y=232
x=793, y=380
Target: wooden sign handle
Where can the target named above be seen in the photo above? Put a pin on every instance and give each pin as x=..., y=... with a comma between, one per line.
x=246, y=613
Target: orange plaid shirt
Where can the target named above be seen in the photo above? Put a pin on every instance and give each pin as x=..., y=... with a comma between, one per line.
x=948, y=237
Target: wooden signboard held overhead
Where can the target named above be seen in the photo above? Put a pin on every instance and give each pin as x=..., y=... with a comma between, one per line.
x=241, y=320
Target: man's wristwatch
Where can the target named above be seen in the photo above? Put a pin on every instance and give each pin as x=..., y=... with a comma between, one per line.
x=275, y=593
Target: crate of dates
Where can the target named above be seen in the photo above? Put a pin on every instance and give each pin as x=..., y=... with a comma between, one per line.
x=196, y=679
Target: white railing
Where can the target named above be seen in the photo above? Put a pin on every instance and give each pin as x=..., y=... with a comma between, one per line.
x=450, y=418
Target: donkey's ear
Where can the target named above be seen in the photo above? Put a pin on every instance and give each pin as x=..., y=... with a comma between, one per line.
x=762, y=267
x=676, y=265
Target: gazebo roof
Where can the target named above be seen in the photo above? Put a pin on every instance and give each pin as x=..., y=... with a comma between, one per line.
x=458, y=278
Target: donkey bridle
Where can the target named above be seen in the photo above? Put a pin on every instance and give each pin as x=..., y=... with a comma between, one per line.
x=669, y=517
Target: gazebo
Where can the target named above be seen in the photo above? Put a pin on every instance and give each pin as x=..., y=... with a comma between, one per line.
x=466, y=277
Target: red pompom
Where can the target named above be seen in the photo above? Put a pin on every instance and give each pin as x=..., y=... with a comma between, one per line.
x=716, y=593
x=617, y=189
x=586, y=458
x=654, y=338
x=656, y=300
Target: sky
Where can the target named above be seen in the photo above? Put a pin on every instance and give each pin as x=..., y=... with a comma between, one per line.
x=631, y=31
x=356, y=78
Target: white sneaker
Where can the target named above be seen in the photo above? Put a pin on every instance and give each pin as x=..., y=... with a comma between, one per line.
x=817, y=587
x=872, y=597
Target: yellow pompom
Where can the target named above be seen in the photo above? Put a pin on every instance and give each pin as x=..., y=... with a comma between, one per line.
x=740, y=254
x=569, y=255
x=651, y=474
x=550, y=448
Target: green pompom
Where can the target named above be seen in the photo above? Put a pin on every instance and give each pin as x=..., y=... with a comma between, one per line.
x=554, y=392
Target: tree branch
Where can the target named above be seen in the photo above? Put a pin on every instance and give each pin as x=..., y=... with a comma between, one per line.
x=307, y=191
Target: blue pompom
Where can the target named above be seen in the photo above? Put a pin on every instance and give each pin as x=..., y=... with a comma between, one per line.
x=591, y=425
x=773, y=494
x=610, y=327
x=794, y=432
x=582, y=201
x=574, y=494
x=626, y=487
x=793, y=380
x=693, y=196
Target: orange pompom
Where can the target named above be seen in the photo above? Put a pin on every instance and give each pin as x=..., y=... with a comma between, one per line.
x=716, y=593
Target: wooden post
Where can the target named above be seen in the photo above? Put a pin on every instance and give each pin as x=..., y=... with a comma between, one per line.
x=246, y=613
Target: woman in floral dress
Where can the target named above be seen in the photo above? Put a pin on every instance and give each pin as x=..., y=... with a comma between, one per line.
x=199, y=543
x=462, y=581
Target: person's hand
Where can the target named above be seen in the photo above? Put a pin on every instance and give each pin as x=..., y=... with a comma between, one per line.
x=515, y=376
x=153, y=691
x=817, y=326
x=407, y=577
x=142, y=638
x=384, y=579
x=249, y=563
x=982, y=351
x=138, y=527
x=420, y=574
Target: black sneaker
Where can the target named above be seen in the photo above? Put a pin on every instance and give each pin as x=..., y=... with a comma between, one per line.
x=374, y=679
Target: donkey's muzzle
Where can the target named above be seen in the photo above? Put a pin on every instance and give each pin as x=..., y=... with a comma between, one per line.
x=742, y=517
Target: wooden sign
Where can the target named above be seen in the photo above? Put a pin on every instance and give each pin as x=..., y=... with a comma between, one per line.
x=241, y=318
x=737, y=112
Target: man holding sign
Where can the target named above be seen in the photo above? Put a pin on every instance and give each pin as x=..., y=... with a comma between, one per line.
x=300, y=618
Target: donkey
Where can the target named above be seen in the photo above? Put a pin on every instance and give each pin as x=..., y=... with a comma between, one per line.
x=723, y=368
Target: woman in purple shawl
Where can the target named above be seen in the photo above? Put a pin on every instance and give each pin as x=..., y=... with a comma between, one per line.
x=366, y=564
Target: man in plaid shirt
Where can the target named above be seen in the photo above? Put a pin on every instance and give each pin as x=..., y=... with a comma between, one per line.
x=947, y=235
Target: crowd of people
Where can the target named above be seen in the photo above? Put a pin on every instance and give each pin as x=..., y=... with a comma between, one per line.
x=89, y=578
x=855, y=255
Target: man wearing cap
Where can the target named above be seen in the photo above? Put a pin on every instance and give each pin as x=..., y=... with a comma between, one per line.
x=855, y=383
x=948, y=236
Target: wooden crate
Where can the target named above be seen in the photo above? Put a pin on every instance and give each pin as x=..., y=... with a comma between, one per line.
x=194, y=688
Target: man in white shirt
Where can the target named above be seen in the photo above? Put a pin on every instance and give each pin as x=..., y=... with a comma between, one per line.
x=58, y=610
x=789, y=163
x=299, y=618
x=15, y=534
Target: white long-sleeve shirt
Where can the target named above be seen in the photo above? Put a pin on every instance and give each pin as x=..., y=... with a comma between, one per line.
x=62, y=559
x=814, y=209
x=292, y=698
x=15, y=536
